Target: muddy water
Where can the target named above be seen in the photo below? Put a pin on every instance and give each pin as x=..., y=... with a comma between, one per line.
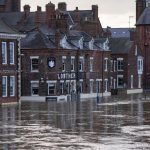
x=115, y=123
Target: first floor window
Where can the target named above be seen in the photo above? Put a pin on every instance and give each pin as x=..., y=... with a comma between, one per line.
x=81, y=63
x=4, y=52
x=12, y=85
x=91, y=64
x=35, y=88
x=4, y=86
x=72, y=63
x=63, y=63
x=106, y=64
x=11, y=48
x=120, y=64
x=91, y=86
x=81, y=86
x=34, y=63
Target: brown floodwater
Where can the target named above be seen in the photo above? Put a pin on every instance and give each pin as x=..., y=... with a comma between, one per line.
x=113, y=123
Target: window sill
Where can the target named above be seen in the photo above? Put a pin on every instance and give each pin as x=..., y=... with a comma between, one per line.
x=34, y=71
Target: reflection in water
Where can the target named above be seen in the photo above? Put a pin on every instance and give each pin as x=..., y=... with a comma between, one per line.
x=71, y=125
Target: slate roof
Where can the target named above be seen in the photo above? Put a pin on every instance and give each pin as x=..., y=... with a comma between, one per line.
x=4, y=28
x=81, y=34
x=144, y=19
x=120, y=45
x=36, y=40
x=120, y=32
x=83, y=14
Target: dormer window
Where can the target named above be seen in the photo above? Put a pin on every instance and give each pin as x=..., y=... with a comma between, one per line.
x=81, y=43
x=91, y=45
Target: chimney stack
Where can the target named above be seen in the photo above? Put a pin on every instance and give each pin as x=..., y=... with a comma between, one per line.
x=62, y=6
x=95, y=12
x=50, y=12
x=26, y=8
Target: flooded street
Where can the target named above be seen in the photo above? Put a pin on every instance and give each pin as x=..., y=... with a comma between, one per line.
x=112, y=124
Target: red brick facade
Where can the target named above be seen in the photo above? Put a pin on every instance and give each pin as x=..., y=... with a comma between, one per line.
x=45, y=74
x=8, y=70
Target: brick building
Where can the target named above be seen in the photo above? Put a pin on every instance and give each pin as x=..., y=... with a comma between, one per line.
x=9, y=64
x=143, y=36
x=68, y=52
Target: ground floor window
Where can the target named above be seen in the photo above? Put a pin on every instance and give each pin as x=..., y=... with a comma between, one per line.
x=98, y=86
x=12, y=85
x=131, y=81
x=91, y=86
x=4, y=86
x=81, y=86
x=51, y=88
x=106, y=85
x=35, y=88
x=120, y=81
x=139, y=82
x=68, y=87
x=114, y=86
x=61, y=88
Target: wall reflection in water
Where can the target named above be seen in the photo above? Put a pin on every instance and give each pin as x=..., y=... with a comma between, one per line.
x=8, y=118
x=87, y=119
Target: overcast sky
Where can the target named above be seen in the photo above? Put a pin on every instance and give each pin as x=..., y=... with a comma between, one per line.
x=113, y=13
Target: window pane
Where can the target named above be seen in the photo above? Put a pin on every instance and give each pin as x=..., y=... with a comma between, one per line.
x=11, y=46
x=4, y=86
x=4, y=53
x=52, y=88
x=35, y=88
x=35, y=64
x=12, y=86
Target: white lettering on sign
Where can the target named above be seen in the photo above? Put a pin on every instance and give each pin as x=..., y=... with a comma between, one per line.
x=62, y=76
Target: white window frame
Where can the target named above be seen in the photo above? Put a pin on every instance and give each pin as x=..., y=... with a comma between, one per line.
x=34, y=82
x=62, y=87
x=98, y=85
x=115, y=64
x=139, y=81
x=118, y=67
x=52, y=82
x=91, y=85
x=81, y=65
x=4, y=50
x=140, y=65
x=12, y=52
x=106, y=85
x=114, y=85
x=6, y=94
x=13, y=85
x=64, y=63
x=106, y=64
x=91, y=64
x=31, y=58
x=132, y=80
x=72, y=63
x=81, y=86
